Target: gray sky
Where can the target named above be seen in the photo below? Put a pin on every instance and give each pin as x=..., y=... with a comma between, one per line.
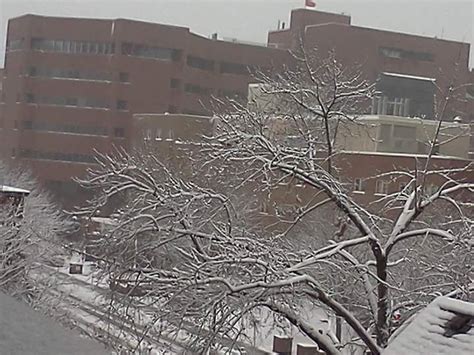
x=251, y=19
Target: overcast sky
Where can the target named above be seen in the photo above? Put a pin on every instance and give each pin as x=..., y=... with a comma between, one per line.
x=251, y=19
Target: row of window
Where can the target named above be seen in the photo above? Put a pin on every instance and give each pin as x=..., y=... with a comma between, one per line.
x=144, y=51
x=200, y=63
x=197, y=89
x=84, y=102
x=224, y=67
x=43, y=72
x=64, y=128
x=382, y=187
x=72, y=47
x=129, y=49
x=57, y=156
x=200, y=90
x=392, y=106
x=61, y=73
x=406, y=54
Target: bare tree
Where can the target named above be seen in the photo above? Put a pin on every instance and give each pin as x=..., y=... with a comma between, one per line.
x=29, y=234
x=200, y=265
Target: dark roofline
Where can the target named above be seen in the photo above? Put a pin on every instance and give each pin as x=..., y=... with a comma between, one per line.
x=98, y=19
x=405, y=34
x=119, y=19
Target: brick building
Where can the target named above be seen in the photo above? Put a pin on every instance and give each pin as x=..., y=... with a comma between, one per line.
x=71, y=85
x=364, y=162
x=378, y=51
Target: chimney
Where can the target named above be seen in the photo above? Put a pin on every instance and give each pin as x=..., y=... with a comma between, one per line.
x=282, y=345
x=303, y=349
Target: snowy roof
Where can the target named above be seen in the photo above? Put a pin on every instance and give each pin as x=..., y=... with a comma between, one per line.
x=4, y=188
x=104, y=220
x=446, y=326
x=404, y=155
x=24, y=331
x=406, y=76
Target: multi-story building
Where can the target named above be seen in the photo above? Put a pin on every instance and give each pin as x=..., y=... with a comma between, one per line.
x=374, y=159
x=72, y=85
x=378, y=51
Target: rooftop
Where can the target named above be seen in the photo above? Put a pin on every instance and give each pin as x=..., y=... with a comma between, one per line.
x=445, y=326
x=10, y=189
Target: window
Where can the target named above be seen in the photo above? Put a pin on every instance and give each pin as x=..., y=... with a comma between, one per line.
x=86, y=102
x=15, y=44
x=44, y=126
x=358, y=185
x=122, y=105
x=392, y=106
x=27, y=124
x=124, y=77
x=71, y=47
x=385, y=133
x=119, y=132
x=381, y=187
x=406, y=132
x=200, y=63
x=234, y=68
x=57, y=156
x=147, y=135
x=144, y=51
x=470, y=92
x=406, y=54
x=396, y=107
x=59, y=73
x=175, y=83
x=391, y=52
x=29, y=98
x=196, y=89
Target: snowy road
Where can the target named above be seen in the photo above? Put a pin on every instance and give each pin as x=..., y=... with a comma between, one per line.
x=85, y=300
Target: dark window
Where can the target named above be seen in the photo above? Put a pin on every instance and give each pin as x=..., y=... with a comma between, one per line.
x=119, y=132
x=196, y=89
x=29, y=98
x=15, y=44
x=175, y=83
x=144, y=51
x=172, y=109
x=234, y=68
x=27, y=124
x=42, y=126
x=68, y=74
x=406, y=54
x=124, y=77
x=71, y=47
x=200, y=63
x=122, y=105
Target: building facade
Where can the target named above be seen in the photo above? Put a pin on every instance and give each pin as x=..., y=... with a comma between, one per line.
x=72, y=85
x=369, y=168
x=377, y=51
